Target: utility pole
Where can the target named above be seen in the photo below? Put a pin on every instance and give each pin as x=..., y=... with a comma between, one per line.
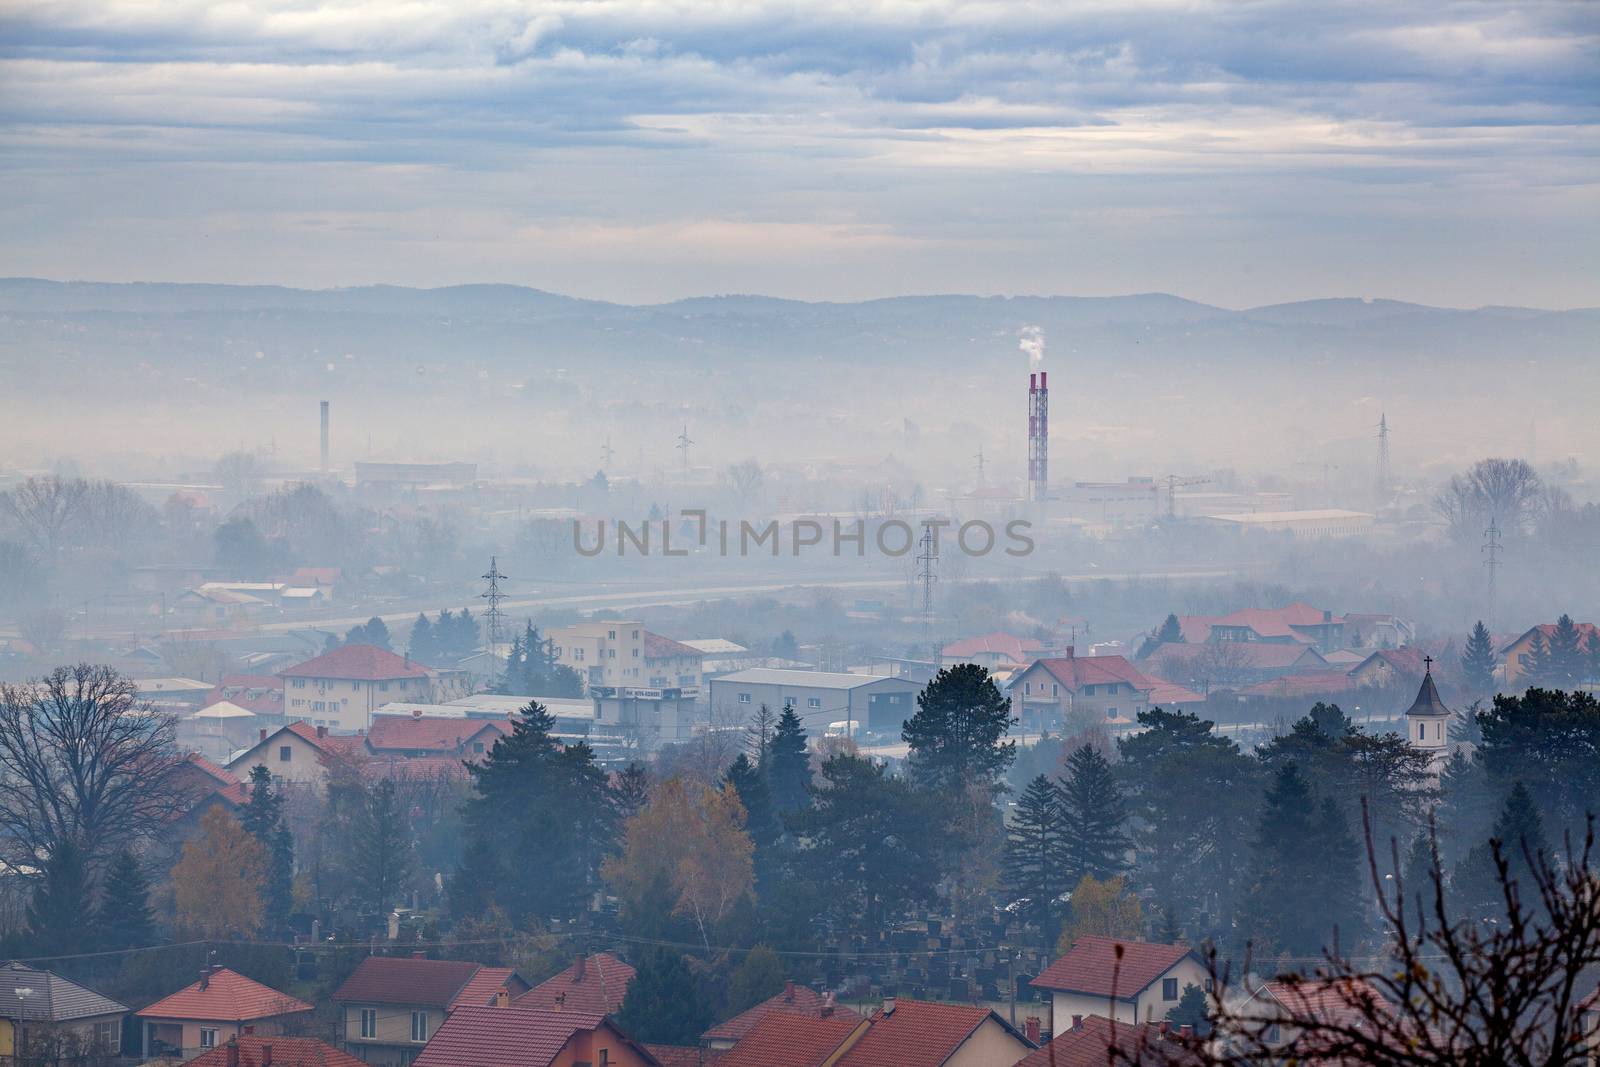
x=494, y=616
x=606, y=454
x=1383, y=458
x=1491, y=557
x=683, y=446
x=927, y=574
x=980, y=466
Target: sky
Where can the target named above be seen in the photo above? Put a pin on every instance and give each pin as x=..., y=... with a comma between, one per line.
x=644, y=150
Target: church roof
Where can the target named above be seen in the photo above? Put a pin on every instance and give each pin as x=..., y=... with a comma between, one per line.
x=1427, y=702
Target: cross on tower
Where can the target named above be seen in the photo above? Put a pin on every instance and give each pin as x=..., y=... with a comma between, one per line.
x=1427, y=664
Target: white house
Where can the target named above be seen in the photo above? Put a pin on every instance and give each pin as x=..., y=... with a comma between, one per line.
x=1143, y=986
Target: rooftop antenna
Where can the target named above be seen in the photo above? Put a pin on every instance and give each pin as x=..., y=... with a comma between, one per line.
x=1383, y=457
x=1491, y=557
x=607, y=453
x=683, y=446
x=494, y=616
x=980, y=466
x=927, y=574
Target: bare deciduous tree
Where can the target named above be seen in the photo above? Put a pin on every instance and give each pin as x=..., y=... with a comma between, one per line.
x=745, y=478
x=81, y=759
x=1508, y=491
x=54, y=514
x=1450, y=990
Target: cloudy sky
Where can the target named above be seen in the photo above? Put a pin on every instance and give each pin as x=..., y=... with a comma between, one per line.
x=1239, y=153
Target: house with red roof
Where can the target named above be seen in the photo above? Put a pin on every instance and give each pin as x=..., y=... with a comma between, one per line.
x=1059, y=690
x=1516, y=648
x=1389, y=668
x=222, y=1005
x=902, y=1033
x=1095, y=1041
x=993, y=651
x=1230, y=664
x=261, y=694
x=297, y=753
x=794, y=1000
x=418, y=736
x=1335, y=1002
x=922, y=1033
x=594, y=983
x=391, y=1005
x=254, y=1050
x=1129, y=981
x=341, y=689
x=519, y=1035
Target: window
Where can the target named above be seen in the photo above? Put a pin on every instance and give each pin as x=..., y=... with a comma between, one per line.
x=208, y=1037
x=383, y=687
x=1088, y=690
x=419, y=1026
x=636, y=635
x=1422, y=731
x=894, y=698
x=108, y=1037
x=369, y=1022
x=611, y=635
x=744, y=698
x=477, y=746
x=788, y=703
x=1055, y=690
x=1209, y=985
x=577, y=655
x=1169, y=989
x=611, y=653
x=285, y=753
x=1111, y=713
x=1273, y=1034
x=605, y=1057
x=813, y=702
x=299, y=683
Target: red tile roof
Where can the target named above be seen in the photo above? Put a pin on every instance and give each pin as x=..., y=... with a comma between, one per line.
x=1587, y=630
x=796, y=1000
x=1341, y=1002
x=513, y=1036
x=658, y=647
x=1091, y=1045
x=1170, y=694
x=1016, y=649
x=403, y=980
x=1310, y=684
x=1405, y=660
x=1254, y=655
x=203, y=780
x=785, y=1040
x=260, y=693
x=228, y=996
x=685, y=1055
x=1077, y=671
x=357, y=663
x=430, y=733
x=286, y=1052
x=1278, y=622
x=596, y=984
x=482, y=987
x=921, y=1033
x=1092, y=967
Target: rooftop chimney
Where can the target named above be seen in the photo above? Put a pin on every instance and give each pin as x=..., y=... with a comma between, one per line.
x=827, y=1005
x=1030, y=1026
x=266, y=1056
x=580, y=968
x=1186, y=1031
x=1077, y=1022
x=233, y=1052
x=1162, y=1026
x=417, y=954
x=788, y=990
x=322, y=731
x=888, y=1007
x=205, y=978
x=502, y=998
x=263, y=733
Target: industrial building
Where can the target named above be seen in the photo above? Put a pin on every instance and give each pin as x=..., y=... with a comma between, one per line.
x=1317, y=524
x=871, y=704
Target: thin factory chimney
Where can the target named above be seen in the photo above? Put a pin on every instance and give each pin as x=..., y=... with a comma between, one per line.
x=324, y=437
x=1038, y=437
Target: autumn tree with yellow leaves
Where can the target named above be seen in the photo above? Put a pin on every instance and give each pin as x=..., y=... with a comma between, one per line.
x=218, y=880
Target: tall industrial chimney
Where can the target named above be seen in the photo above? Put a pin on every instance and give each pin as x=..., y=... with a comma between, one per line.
x=1038, y=436
x=324, y=437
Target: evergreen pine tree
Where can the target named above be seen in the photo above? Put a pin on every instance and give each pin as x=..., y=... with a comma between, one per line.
x=534, y=798
x=474, y=887
x=1536, y=662
x=1568, y=661
x=123, y=918
x=383, y=856
x=789, y=775
x=1171, y=632
x=1477, y=662
x=1037, y=864
x=956, y=735
x=61, y=902
x=1306, y=882
x=420, y=645
x=1097, y=841
x=263, y=818
x=1192, y=1010
x=761, y=819
x=663, y=1005
x=632, y=790
x=1519, y=830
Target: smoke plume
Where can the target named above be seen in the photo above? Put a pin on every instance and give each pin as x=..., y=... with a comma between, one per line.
x=1031, y=341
